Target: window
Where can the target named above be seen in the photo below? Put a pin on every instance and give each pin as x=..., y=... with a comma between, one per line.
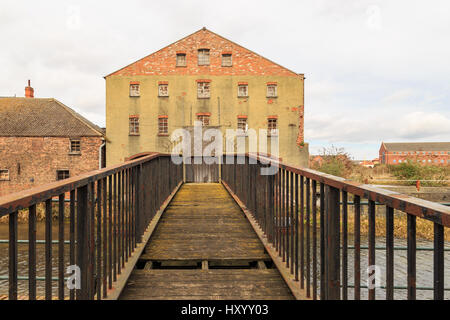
x=163, y=127
x=272, y=126
x=134, y=125
x=163, y=89
x=400, y=161
x=242, y=90
x=181, y=59
x=203, y=57
x=271, y=90
x=442, y=160
x=203, y=90
x=429, y=160
x=424, y=161
x=75, y=146
x=4, y=174
x=134, y=89
x=62, y=174
x=395, y=161
x=242, y=125
x=204, y=118
x=227, y=60
x=395, y=152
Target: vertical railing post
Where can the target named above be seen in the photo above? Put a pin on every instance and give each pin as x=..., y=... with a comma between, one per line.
x=333, y=244
x=82, y=241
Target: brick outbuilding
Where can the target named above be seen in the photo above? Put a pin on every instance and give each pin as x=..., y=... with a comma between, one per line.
x=43, y=140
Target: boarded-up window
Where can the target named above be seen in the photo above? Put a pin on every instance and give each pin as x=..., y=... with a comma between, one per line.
x=62, y=174
x=203, y=57
x=181, y=60
x=204, y=118
x=134, y=90
x=163, y=90
x=242, y=125
x=134, y=125
x=4, y=174
x=75, y=146
x=163, y=127
x=272, y=126
x=271, y=90
x=227, y=60
x=203, y=90
x=243, y=90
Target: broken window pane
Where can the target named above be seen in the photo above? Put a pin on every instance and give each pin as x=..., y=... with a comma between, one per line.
x=134, y=90
x=163, y=90
x=243, y=90
x=271, y=90
x=203, y=90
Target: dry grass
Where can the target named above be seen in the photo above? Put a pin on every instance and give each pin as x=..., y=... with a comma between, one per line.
x=424, y=228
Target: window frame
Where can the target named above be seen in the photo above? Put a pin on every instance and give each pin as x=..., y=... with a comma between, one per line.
x=201, y=54
x=272, y=85
x=7, y=178
x=242, y=85
x=71, y=147
x=179, y=54
x=271, y=127
x=133, y=122
x=63, y=171
x=163, y=123
x=137, y=93
x=242, y=120
x=202, y=118
x=159, y=89
x=203, y=83
x=227, y=54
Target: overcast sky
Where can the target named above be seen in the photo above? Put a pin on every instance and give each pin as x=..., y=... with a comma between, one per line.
x=375, y=70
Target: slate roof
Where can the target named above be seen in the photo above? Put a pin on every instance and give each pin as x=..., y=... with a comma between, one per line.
x=417, y=146
x=37, y=117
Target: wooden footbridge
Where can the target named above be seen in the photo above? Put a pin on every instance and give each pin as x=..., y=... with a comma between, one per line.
x=248, y=227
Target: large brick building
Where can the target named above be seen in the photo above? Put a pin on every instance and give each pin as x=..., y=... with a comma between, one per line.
x=208, y=78
x=42, y=140
x=429, y=153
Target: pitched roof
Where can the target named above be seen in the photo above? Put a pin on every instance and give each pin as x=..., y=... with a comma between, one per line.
x=417, y=146
x=162, y=62
x=36, y=117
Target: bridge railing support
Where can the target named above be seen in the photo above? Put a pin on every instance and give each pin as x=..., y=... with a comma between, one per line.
x=306, y=216
x=108, y=212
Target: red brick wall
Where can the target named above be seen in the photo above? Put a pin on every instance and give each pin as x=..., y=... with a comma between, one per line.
x=163, y=62
x=33, y=161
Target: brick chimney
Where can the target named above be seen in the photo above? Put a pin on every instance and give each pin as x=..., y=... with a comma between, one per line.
x=29, y=91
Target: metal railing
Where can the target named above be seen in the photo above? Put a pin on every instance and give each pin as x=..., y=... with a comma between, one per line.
x=304, y=215
x=109, y=210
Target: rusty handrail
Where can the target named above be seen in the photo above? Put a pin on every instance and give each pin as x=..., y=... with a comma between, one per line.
x=425, y=209
x=109, y=211
x=22, y=199
x=309, y=229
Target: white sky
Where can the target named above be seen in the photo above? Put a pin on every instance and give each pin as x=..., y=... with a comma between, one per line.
x=376, y=70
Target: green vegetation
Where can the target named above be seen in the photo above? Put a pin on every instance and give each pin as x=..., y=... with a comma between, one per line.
x=416, y=171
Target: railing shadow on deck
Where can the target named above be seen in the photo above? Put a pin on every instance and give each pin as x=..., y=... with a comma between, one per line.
x=109, y=211
x=294, y=217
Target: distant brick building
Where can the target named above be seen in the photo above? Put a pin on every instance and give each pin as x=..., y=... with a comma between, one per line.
x=42, y=140
x=430, y=153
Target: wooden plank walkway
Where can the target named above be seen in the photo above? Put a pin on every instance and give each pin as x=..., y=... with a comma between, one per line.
x=204, y=248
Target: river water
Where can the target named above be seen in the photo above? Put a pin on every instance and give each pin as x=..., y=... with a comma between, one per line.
x=424, y=264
